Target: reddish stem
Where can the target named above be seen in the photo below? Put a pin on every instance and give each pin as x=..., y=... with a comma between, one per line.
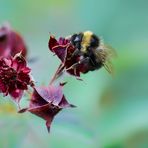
x=57, y=73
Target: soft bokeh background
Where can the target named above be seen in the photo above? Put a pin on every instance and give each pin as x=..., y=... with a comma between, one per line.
x=111, y=112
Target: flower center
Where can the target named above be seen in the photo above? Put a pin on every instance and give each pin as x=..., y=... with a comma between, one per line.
x=8, y=75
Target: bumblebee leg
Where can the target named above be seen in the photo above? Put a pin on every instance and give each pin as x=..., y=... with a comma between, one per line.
x=76, y=52
x=74, y=66
x=92, y=61
x=84, y=60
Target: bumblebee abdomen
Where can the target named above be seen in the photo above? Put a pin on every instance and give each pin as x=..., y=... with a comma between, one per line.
x=93, y=62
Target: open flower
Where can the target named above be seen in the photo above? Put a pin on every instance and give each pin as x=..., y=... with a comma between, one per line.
x=65, y=52
x=46, y=102
x=14, y=76
x=11, y=42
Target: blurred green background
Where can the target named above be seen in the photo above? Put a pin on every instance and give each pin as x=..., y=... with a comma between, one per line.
x=111, y=112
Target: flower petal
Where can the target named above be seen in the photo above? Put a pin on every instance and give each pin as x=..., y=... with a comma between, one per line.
x=64, y=103
x=17, y=95
x=11, y=42
x=56, y=93
x=19, y=62
x=44, y=93
x=47, y=112
x=60, y=51
x=52, y=42
x=36, y=100
x=3, y=87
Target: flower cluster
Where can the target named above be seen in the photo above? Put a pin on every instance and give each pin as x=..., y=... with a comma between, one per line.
x=15, y=76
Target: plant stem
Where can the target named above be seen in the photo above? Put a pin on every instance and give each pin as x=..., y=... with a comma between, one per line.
x=57, y=73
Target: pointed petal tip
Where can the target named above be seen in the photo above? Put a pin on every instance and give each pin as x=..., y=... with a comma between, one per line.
x=51, y=35
x=19, y=54
x=48, y=126
x=63, y=83
x=48, y=129
x=73, y=106
x=23, y=110
x=78, y=78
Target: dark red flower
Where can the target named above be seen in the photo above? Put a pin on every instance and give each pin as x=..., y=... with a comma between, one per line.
x=14, y=76
x=59, y=47
x=46, y=102
x=11, y=42
x=64, y=50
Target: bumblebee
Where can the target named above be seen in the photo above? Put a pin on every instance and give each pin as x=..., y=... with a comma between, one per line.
x=93, y=52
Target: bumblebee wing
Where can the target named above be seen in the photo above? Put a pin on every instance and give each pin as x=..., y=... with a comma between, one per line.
x=110, y=51
x=109, y=67
x=105, y=54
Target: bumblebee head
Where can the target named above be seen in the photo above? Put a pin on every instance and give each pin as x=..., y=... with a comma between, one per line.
x=85, y=40
x=76, y=40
